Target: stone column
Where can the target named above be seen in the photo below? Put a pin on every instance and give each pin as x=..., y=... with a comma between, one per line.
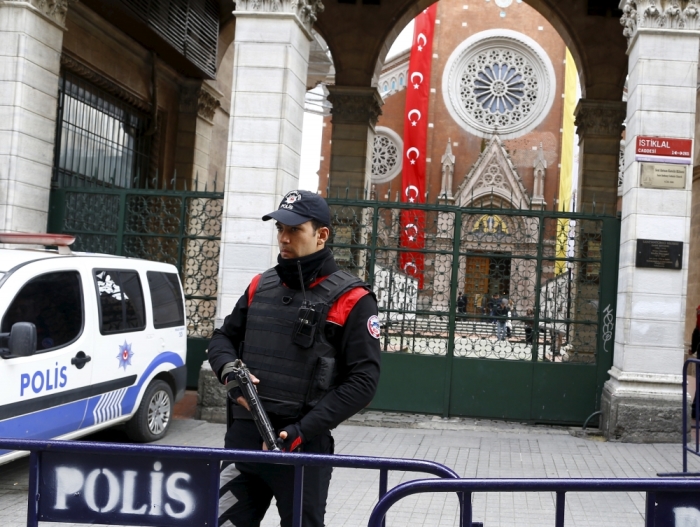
x=31, y=38
x=354, y=114
x=599, y=127
x=642, y=401
x=271, y=60
x=198, y=103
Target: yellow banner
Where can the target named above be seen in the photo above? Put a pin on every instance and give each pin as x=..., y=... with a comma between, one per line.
x=566, y=174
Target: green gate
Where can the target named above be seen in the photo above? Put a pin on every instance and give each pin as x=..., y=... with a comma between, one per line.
x=446, y=350
x=180, y=227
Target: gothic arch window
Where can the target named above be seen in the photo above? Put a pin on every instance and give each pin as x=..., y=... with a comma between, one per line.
x=401, y=80
x=393, y=84
x=386, y=87
x=499, y=81
x=387, y=155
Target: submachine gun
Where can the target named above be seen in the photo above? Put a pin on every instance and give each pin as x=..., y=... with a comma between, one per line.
x=262, y=421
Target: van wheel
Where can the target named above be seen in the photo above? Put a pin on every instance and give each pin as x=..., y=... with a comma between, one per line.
x=152, y=420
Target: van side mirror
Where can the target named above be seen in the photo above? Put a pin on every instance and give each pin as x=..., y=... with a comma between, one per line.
x=21, y=341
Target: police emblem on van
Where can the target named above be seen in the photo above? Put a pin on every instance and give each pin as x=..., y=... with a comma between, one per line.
x=125, y=355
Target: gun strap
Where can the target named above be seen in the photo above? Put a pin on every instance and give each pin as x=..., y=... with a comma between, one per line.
x=231, y=367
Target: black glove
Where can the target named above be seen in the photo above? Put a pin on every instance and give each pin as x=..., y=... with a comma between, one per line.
x=294, y=438
x=233, y=393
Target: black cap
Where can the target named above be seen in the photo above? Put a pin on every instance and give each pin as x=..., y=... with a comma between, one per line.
x=300, y=206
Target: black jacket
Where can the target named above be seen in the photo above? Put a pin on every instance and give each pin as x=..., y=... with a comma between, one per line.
x=357, y=360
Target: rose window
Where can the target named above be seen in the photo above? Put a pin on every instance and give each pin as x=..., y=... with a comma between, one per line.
x=499, y=81
x=386, y=155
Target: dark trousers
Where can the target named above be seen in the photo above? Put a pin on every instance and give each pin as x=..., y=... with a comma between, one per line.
x=528, y=335
x=246, y=489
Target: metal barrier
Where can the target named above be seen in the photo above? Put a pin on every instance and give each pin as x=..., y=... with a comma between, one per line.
x=86, y=482
x=696, y=426
x=669, y=501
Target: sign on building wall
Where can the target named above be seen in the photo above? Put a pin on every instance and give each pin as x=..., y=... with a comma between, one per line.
x=664, y=149
x=659, y=254
x=665, y=176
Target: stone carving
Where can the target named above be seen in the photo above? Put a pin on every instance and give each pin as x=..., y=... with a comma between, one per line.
x=56, y=10
x=387, y=155
x=539, y=173
x=195, y=98
x=499, y=79
x=355, y=106
x=601, y=118
x=499, y=88
x=306, y=10
x=493, y=174
x=207, y=105
x=448, y=169
x=72, y=64
x=665, y=14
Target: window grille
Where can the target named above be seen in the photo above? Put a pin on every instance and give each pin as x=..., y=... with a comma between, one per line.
x=101, y=141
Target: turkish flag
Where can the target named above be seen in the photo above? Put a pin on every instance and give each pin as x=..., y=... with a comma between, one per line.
x=415, y=139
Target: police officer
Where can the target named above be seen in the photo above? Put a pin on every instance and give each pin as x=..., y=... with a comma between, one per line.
x=309, y=334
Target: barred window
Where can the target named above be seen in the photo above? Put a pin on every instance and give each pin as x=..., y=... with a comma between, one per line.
x=101, y=140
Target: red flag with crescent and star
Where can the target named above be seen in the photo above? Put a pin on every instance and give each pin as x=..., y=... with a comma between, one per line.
x=415, y=139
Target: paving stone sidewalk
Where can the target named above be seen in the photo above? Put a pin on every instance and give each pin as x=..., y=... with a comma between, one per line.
x=473, y=448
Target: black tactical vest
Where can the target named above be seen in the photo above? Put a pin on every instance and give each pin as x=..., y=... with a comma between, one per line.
x=292, y=379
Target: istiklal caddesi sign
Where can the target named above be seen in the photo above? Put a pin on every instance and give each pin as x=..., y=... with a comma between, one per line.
x=119, y=490
x=664, y=150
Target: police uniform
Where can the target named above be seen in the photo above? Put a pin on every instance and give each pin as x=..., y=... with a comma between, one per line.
x=309, y=384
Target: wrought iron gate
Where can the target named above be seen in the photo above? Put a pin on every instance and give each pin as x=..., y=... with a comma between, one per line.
x=180, y=227
x=510, y=314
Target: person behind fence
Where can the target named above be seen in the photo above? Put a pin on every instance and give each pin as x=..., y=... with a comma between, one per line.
x=529, y=322
x=494, y=303
x=309, y=380
x=694, y=348
x=500, y=312
x=511, y=314
x=462, y=303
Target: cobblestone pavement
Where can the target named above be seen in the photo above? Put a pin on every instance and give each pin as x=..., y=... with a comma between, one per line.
x=473, y=448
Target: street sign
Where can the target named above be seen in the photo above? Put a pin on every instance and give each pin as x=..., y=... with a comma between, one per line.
x=664, y=149
x=127, y=490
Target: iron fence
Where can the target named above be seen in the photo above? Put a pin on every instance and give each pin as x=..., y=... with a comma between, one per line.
x=490, y=284
x=80, y=464
x=669, y=502
x=694, y=447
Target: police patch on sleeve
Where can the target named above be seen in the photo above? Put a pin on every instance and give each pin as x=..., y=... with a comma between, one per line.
x=373, y=326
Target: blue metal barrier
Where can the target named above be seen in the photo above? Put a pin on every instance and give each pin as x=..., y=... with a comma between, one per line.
x=696, y=424
x=72, y=481
x=666, y=498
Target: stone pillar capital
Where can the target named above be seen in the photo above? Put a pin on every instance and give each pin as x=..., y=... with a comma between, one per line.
x=198, y=97
x=305, y=11
x=354, y=105
x=600, y=118
x=53, y=10
x=640, y=15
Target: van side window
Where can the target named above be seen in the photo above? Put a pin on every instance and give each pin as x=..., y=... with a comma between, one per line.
x=53, y=302
x=166, y=300
x=121, y=301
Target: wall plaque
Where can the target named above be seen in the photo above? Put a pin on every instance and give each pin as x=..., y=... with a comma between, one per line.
x=659, y=254
x=657, y=175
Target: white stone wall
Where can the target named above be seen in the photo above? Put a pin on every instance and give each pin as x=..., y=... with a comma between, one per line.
x=649, y=347
x=30, y=48
x=264, y=146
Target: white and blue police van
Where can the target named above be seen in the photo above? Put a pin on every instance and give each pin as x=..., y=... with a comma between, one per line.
x=87, y=341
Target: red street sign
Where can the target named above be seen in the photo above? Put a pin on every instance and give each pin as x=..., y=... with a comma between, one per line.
x=664, y=147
